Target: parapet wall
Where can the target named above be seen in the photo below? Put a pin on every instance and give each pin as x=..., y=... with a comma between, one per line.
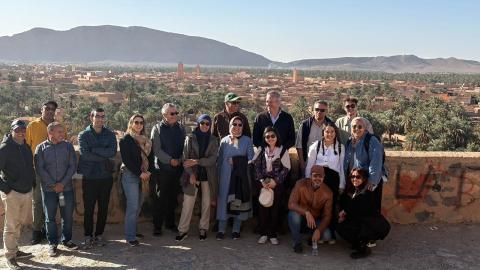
x=423, y=187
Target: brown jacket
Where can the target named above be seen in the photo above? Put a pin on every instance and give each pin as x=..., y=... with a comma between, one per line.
x=318, y=202
x=221, y=123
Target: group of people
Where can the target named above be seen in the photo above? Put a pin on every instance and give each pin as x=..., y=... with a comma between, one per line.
x=237, y=172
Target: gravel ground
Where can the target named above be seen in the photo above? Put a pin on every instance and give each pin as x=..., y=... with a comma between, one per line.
x=407, y=247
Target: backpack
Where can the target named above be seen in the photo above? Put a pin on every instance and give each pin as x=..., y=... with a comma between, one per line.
x=366, y=145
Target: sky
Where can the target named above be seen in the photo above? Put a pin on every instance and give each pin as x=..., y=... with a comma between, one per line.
x=280, y=30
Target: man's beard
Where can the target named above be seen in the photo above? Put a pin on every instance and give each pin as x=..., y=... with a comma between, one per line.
x=316, y=186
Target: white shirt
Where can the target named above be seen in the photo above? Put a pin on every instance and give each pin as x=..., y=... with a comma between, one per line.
x=330, y=160
x=274, y=119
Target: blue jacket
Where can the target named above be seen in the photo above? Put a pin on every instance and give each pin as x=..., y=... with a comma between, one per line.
x=55, y=163
x=95, y=150
x=371, y=161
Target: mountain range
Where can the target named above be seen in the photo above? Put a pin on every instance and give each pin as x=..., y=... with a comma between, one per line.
x=140, y=45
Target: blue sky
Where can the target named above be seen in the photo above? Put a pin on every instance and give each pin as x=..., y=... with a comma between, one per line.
x=279, y=30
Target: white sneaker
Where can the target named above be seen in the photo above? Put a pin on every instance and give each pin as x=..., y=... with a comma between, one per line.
x=321, y=242
x=274, y=241
x=332, y=242
x=372, y=244
x=263, y=239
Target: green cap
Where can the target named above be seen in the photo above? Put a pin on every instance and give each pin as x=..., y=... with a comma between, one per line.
x=232, y=97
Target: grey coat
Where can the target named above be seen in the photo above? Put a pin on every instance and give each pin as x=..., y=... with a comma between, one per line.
x=55, y=163
x=209, y=162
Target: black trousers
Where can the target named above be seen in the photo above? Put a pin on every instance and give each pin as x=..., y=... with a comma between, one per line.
x=269, y=217
x=167, y=188
x=96, y=191
x=377, y=194
x=332, y=180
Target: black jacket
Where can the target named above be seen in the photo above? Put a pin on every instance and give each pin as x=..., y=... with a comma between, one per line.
x=239, y=193
x=284, y=126
x=131, y=156
x=306, y=126
x=16, y=165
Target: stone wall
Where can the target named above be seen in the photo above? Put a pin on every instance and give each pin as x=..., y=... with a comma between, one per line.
x=423, y=187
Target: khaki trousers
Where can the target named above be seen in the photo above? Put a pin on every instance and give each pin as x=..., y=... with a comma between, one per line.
x=188, y=205
x=17, y=208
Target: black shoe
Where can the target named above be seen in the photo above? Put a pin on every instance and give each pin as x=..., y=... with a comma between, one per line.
x=181, y=236
x=361, y=253
x=134, y=243
x=36, y=237
x=21, y=254
x=12, y=264
x=220, y=236
x=235, y=235
x=70, y=245
x=140, y=236
x=157, y=232
x=298, y=248
x=52, y=251
x=203, y=235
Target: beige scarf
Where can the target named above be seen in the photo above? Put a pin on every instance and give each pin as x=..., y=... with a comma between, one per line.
x=145, y=145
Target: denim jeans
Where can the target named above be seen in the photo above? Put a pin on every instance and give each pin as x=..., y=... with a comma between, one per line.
x=51, y=204
x=133, y=196
x=297, y=221
x=237, y=224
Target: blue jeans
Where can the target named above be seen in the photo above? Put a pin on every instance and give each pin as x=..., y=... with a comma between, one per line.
x=50, y=205
x=222, y=225
x=133, y=195
x=297, y=221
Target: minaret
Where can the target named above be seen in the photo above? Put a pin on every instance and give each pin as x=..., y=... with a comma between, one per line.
x=180, y=71
x=295, y=76
x=197, y=70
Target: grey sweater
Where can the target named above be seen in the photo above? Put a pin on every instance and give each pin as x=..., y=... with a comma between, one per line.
x=55, y=163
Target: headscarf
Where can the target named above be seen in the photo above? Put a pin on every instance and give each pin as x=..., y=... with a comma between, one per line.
x=203, y=138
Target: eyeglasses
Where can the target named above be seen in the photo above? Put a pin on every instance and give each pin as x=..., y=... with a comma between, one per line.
x=356, y=176
x=234, y=102
x=205, y=123
x=173, y=113
x=320, y=110
x=99, y=116
x=357, y=127
x=273, y=136
x=237, y=125
x=138, y=122
x=351, y=106
x=50, y=109
x=20, y=130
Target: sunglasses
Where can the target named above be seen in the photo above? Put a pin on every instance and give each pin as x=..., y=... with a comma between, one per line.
x=320, y=110
x=50, y=109
x=138, y=122
x=20, y=130
x=234, y=102
x=352, y=106
x=205, y=123
x=173, y=113
x=273, y=136
x=100, y=116
x=356, y=176
x=237, y=125
x=357, y=127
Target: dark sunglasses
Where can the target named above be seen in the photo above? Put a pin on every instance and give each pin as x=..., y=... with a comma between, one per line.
x=320, y=110
x=356, y=176
x=234, y=102
x=357, y=127
x=237, y=125
x=205, y=123
x=273, y=136
x=51, y=109
x=352, y=106
x=173, y=113
x=138, y=122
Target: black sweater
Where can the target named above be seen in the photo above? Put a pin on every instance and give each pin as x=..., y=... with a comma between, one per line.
x=131, y=155
x=360, y=206
x=284, y=126
x=16, y=165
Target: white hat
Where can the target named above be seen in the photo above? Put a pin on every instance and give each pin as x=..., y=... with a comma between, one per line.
x=266, y=197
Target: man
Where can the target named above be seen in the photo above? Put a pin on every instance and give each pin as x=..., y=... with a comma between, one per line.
x=36, y=134
x=98, y=145
x=276, y=117
x=168, y=137
x=16, y=182
x=221, y=121
x=55, y=163
x=311, y=130
x=344, y=123
x=310, y=202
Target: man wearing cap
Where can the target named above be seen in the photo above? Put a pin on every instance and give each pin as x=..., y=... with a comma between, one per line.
x=311, y=203
x=16, y=183
x=221, y=120
x=36, y=134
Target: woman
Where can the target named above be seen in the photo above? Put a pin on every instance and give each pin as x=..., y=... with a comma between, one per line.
x=329, y=153
x=271, y=167
x=135, y=149
x=233, y=200
x=200, y=156
x=359, y=222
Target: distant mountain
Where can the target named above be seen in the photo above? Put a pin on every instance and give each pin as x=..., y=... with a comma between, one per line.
x=140, y=45
x=122, y=44
x=392, y=64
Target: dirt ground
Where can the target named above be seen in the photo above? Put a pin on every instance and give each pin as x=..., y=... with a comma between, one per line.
x=407, y=247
